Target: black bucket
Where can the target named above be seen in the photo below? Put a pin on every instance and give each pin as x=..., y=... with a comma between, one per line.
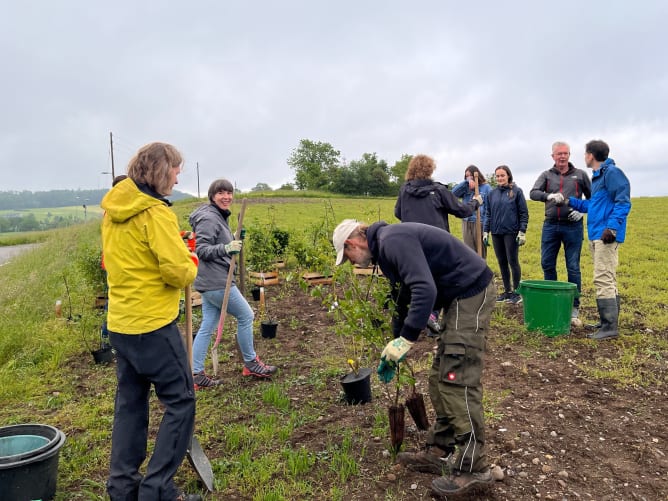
x=30, y=473
x=268, y=329
x=357, y=387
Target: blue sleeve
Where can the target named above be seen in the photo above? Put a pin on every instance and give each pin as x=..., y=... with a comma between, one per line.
x=579, y=204
x=619, y=189
x=461, y=189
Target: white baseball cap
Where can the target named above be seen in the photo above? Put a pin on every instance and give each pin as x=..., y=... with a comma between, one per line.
x=341, y=234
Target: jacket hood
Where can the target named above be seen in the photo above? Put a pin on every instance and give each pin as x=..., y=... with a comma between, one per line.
x=420, y=187
x=126, y=200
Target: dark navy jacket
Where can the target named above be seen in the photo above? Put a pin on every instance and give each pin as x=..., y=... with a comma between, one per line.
x=507, y=211
x=430, y=267
x=429, y=202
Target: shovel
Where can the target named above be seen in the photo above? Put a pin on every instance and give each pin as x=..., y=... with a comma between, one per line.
x=196, y=456
x=226, y=297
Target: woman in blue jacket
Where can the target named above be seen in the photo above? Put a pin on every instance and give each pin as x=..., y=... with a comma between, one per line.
x=506, y=218
x=466, y=190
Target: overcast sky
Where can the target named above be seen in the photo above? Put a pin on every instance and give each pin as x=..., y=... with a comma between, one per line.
x=236, y=85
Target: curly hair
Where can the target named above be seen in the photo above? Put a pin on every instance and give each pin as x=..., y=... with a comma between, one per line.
x=420, y=167
x=151, y=165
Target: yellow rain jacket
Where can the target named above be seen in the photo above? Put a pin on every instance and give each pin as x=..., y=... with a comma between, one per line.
x=146, y=260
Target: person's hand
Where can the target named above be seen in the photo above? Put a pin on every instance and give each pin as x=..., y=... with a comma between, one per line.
x=234, y=247
x=478, y=198
x=521, y=238
x=557, y=198
x=394, y=352
x=575, y=216
x=485, y=239
x=609, y=236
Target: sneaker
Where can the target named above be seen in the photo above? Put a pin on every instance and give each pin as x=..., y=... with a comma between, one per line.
x=502, y=298
x=514, y=298
x=203, y=381
x=258, y=368
x=434, y=326
x=427, y=461
x=188, y=497
x=460, y=482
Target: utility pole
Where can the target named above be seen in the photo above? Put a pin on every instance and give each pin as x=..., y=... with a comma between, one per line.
x=111, y=142
x=198, y=180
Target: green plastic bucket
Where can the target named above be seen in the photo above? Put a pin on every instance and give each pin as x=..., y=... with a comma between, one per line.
x=547, y=305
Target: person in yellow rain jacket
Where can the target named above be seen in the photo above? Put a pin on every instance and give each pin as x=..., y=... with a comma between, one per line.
x=147, y=267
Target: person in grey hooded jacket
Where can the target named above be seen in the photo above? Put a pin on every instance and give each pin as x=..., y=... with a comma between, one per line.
x=215, y=247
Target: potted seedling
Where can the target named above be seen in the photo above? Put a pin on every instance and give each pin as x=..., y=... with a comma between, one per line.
x=360, y=324
x=415, y=401
x=268, y=325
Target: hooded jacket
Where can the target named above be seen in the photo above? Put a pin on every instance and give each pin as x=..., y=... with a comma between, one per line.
x=574, y=183
x=610, y=202
x=146, y=260
x=432, y=267
x=506, y=211
x=429, y=202
x=212, y=232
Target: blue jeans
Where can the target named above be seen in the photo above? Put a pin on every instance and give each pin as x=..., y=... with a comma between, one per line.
x=238, y=307
x=571, y=235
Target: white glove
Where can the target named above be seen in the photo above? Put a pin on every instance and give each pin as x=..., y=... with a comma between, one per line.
x=485, y=239
x=557, y=198
x=396, y=350
x=574, y=216
x=521, y=238
x=478, y=198
x=234, y=247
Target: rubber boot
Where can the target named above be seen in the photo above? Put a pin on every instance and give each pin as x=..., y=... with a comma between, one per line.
x=597, y=325
x=609, y=313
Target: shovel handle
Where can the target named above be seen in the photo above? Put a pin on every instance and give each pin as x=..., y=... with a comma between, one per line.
x=478, y=223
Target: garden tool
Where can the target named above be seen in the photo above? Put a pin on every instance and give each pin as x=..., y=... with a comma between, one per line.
x=228, y=285
x=196, y=456
x=478, y=223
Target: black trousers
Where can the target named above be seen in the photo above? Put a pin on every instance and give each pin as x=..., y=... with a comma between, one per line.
x=156, y=358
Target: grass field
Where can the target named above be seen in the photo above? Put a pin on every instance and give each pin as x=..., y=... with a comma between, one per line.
x=46, y=374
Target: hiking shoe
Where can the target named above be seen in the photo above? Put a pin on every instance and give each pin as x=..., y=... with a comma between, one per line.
x=188, y=497
x=502, y=298
x=258, y=368
x=460, y=482
x=203, y=381
x=514, y=298
x=434, y=326
x=427, y=461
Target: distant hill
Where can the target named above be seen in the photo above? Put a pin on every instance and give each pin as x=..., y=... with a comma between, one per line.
x=18, y=200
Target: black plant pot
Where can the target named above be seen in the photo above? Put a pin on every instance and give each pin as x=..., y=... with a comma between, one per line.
x=256, y=293
x=268, y=329
x=103, y=355
x=357, y=387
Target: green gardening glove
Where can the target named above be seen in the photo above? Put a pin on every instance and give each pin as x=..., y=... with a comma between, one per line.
x=242, y=234
x=234, y=247
x=394, y=352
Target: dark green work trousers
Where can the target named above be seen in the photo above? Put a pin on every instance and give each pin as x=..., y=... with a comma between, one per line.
x=454, y=380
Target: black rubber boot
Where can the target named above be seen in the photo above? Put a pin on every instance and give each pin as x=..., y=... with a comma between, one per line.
x=597, y=325
x=609, y=312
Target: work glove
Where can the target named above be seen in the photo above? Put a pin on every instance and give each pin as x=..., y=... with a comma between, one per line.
x=194, y=258
x=189, y=239
x=609, y=236
x=557, y=198
x=394, y=352
x=485, y=239
x=234, y=247
x=521, y=238
x=242, y=234
x=575, y=216
x=478, y=198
